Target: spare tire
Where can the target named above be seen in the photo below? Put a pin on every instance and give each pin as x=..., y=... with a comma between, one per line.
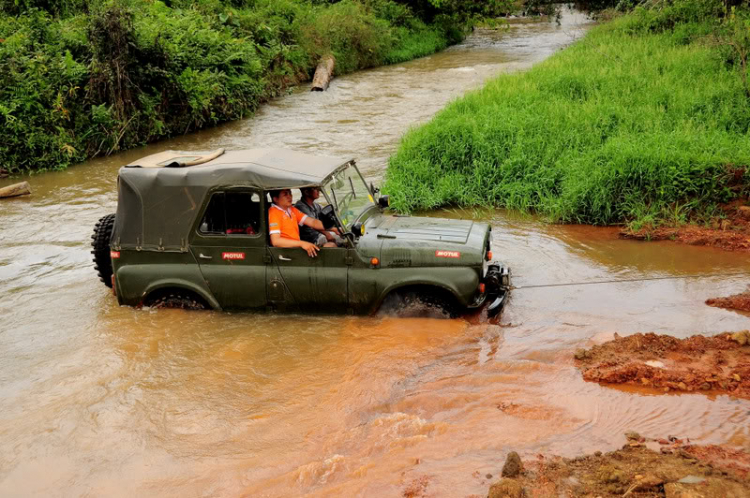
x=100, y=242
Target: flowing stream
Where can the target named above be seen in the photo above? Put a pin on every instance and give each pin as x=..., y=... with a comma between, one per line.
x=102, y=400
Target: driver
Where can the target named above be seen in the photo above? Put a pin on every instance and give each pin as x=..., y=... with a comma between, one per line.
x=284, y=221
x=312, y=209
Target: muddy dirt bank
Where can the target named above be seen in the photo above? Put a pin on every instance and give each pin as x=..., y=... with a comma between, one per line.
x=731, y=232
x=698, y=363
x=740, y=302
x=668, y=467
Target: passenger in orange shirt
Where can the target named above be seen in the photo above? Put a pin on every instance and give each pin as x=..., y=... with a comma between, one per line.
x=284, y=221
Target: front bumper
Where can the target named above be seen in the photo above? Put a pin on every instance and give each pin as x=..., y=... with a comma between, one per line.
x=497, y=284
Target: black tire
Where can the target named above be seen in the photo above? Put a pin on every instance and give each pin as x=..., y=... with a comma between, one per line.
x=100, y=242
x=176, y=299
x=425, y=303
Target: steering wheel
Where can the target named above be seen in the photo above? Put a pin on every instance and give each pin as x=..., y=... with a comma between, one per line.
x=328, y=217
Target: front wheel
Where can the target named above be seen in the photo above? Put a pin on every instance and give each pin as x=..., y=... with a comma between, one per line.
x=101, y=251
x=419, y=303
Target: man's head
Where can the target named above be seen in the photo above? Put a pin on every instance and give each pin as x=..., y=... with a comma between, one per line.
x=310, y=194
x=282, y=198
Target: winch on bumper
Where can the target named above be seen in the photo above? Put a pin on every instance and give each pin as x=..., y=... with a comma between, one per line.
x=497, y=284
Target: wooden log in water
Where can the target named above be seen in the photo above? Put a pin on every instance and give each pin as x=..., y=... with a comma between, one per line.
x=323, y=74
x=15, y=190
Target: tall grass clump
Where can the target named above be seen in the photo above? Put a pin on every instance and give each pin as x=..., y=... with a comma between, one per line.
x=641, y=119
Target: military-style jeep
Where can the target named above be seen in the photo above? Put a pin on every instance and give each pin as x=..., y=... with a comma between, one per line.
x=191, y=230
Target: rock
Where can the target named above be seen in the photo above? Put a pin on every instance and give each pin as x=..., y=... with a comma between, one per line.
x=744, y=212
x=488, y=476
x=705, y=386
x=610, y=474
x=582, y=354
x=655, y=364
x=632, y=436
x=691, y=480
x=740, y=337
x=647, y=482
x=506, y=488
x=598, y=453
x=513, y=465
x=676, y=490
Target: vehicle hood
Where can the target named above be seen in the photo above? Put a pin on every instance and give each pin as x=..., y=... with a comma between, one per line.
x=422, y=241
x=427, y=229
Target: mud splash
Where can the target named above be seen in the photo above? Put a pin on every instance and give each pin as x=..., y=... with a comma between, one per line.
x=669, y=469
x=717, y=364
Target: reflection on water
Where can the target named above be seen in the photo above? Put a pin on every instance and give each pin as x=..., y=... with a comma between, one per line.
x=99, y=400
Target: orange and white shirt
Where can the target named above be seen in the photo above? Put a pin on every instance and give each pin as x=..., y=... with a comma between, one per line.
x=285, y=222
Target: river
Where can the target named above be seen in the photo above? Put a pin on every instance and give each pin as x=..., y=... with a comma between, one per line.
x=102, y=400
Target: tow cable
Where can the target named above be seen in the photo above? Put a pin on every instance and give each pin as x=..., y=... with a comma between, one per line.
x=625, y=280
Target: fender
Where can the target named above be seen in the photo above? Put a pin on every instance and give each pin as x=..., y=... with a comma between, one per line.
x=182, y=284
x=421, y=281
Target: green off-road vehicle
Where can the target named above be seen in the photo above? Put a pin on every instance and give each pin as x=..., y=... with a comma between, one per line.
x=191, y=230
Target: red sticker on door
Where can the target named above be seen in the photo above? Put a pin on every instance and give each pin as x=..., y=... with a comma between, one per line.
x=447, y=254
x=233, y=255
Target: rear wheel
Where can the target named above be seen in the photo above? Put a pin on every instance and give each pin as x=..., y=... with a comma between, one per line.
x=101, y=251
x=176, y=299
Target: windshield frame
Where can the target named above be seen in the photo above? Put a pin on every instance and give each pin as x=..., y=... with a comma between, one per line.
x=336, y=199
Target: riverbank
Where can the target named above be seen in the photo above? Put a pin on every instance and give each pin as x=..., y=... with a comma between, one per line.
x=665, y=467
x=643, y=122
x=79, y=81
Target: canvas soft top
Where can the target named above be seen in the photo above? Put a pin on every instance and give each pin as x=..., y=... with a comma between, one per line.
x=158, y=195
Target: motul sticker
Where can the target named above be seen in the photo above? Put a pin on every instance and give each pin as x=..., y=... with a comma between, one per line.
x=114, y=254
x=233, y=255
x=447, y=254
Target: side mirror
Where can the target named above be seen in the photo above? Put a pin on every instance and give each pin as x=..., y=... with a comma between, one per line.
x=384, y=201
x=358, y=229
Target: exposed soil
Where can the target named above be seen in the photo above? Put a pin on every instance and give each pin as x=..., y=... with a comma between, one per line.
x=739, y=302
x=731, y=233
x=675, y=469
x=719, y=364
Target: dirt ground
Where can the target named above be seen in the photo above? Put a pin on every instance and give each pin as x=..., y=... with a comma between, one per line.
x=719, y=364
x=739, y=301
x=731, y=233
x=668, y=467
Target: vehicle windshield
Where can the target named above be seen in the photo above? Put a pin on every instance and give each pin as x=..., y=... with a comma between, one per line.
x=349, y=194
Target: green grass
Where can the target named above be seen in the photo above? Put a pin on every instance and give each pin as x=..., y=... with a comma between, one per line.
x=628, y=125
x=77, y=82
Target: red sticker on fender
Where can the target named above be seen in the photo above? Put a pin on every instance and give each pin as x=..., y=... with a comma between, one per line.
x=114, y=254
x=233, y=255
x=447, y=254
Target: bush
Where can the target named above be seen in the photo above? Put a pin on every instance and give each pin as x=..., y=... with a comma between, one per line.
x=79, y=79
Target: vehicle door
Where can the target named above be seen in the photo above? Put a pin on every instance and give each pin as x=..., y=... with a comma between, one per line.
x=230, y=246
x=316, y=284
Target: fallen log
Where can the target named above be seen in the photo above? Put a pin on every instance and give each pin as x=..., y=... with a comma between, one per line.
x=15, y=190
x=323, y=74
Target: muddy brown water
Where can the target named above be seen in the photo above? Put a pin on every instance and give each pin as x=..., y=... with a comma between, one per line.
x=102, y=400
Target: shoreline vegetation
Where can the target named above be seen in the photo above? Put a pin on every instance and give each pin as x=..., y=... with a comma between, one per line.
x=644, y=122
x=84, y=78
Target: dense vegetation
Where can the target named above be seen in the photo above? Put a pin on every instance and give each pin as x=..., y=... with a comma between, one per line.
x=80, y=78
x=645, y=121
